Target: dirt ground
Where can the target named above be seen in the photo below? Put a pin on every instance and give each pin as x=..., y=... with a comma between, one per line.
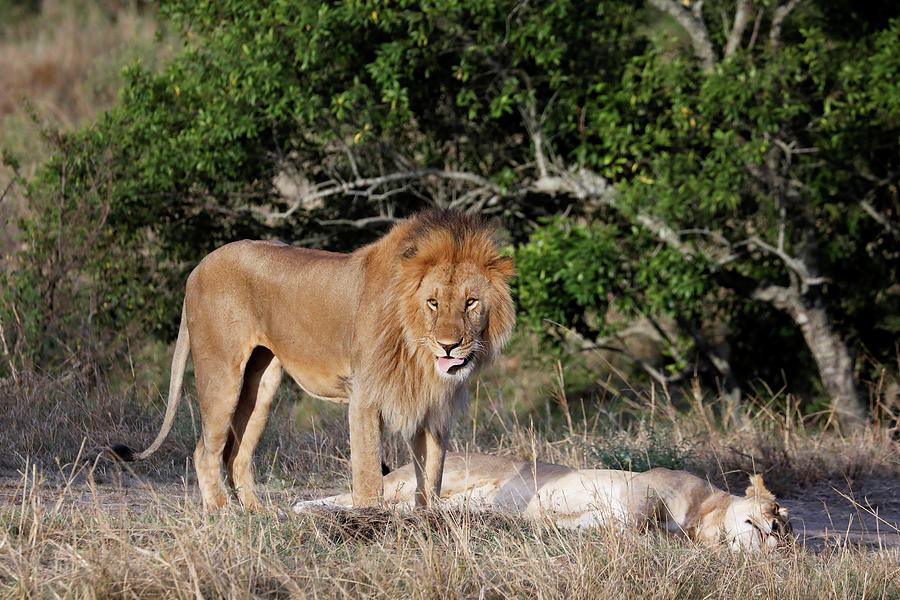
x=866, y=512
x=863, y=513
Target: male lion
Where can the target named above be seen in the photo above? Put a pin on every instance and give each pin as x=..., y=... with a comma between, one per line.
x=675, y=501
x=394, y=328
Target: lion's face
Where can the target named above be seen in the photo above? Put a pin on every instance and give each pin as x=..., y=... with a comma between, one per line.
x=753, y=522
x=455, y=302
x=450, y=297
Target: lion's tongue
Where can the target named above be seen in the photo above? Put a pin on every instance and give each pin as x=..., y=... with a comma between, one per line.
x=445, y=363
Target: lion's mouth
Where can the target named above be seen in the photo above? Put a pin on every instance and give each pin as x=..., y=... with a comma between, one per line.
x=450, y=364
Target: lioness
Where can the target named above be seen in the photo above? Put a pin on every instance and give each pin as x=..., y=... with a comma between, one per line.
x=394, y=328
x=675, y=501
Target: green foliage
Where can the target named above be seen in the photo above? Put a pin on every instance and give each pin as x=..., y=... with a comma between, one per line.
x=715, y=176
x=791, y=151
x=66, y=299
x=189, y=157
x=648, y=449
x=571, y=273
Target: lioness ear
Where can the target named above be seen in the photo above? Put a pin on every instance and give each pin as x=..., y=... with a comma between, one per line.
x=758, y=489
x=503, y=265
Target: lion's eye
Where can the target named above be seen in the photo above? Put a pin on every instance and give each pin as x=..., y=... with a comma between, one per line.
x=471, y=302
x=432, y=303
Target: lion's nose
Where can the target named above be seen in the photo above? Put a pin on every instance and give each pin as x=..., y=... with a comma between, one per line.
x=449, y=346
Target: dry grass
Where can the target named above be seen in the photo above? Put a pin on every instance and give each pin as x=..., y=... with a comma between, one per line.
x=65, y=61
x=76, y=526
x=62, y=67
x=51, y=546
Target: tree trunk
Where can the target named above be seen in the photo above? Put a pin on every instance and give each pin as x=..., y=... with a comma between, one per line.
x=834, y=361
x=827, y=347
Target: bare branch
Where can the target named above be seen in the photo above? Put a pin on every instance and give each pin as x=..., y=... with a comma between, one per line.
x=696, y=9
x=798, y=267
x=879, y=218
x=714, y=235
x=782, y=225
x=9, y=186
x=535, y=129
x=755, y=33
x=584, y=184
x=867, y=206
x=783, y=298
x=664, y=232
x=373, y=182
x=781, y=13
x=795, y=265
x=587, y=345
x=694, y=26
x=474, y=199
x=381, y=197
x=791, y=148
x=721, y=253
x=537, y=138
x=363, y=223
x=741, y=18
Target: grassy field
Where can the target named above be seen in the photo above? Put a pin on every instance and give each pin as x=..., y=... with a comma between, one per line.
x=59, y=69
x=77, y=525
x=168, y=548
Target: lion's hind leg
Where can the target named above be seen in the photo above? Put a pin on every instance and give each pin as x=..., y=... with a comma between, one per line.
x=262, y=376
x=219, y=378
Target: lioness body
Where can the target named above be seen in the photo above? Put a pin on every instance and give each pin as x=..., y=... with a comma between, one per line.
x=271, y=285
x=394, y=329
x=676, y=501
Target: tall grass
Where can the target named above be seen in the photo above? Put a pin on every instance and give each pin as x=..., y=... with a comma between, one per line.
x=63, y=62
x=60, y=68
x=46, y=420
x=54, y=544
x=77, y=525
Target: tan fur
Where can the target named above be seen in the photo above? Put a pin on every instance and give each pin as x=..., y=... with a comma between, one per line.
x=365, y=328
x=675, y=501
x=758, y=489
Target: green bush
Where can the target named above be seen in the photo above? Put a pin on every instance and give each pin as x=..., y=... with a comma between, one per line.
x=646, y=449
x=571, y=273
x=701, y=188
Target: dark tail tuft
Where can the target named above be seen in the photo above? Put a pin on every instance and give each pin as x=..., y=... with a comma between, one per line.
x=384, y=468
x=121, y=452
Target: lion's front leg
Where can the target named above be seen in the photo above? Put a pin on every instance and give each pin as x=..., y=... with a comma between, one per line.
x=429, y=449
x=365, y=454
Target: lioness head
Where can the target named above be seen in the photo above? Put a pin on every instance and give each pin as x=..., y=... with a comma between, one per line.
x=756, y=520
x=456, y=291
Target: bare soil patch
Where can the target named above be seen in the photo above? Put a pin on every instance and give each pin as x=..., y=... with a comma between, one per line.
x=862, y=512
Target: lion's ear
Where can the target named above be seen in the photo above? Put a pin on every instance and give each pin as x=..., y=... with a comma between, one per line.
x=758, y=489
x=503, y=265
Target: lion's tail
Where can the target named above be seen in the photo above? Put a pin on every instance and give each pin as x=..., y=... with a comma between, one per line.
x=179, y=361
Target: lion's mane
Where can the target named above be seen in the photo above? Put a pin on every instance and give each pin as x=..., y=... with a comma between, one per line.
x=400, y=378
